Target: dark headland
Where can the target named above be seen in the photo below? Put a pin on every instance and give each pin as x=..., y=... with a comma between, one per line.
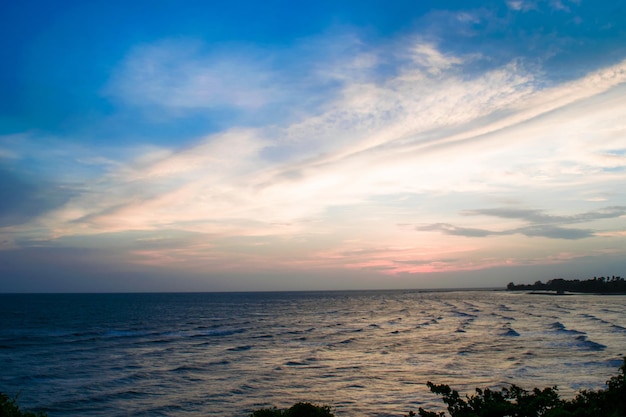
x=595, y=285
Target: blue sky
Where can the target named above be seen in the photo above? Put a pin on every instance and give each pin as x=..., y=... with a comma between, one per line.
x=209, y=146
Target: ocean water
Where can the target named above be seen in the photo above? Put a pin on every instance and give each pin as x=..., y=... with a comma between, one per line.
x=364, y=353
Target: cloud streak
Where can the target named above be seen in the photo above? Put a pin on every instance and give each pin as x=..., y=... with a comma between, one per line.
x=540, y=224
x=324, y=187
x=547, y=231
x=177, y=75
x=374, y=139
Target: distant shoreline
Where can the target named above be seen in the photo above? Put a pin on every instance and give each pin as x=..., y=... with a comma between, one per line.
x=569, y=293
x=560, y=286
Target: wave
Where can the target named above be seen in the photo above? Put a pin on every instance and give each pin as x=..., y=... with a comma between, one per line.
x=557, y=326
x=126, y=333
x=222, y=362
x=509, y=332
x=428, y=323
x=240, y=348
x=618, y=328
x=463, y=314
x=560, y=327
x=592, y=317
x=187, y=368
x=301, y=331
x=507, y=318
x=295, y=363
x=210, y=353
x=583, y=342
x=219, y=332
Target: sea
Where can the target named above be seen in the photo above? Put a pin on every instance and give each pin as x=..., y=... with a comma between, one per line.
x=364, y=353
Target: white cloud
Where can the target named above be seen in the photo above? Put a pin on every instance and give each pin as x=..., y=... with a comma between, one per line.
x=183, y=75
x=427, y=56
x=427, y=130
x=523, y=5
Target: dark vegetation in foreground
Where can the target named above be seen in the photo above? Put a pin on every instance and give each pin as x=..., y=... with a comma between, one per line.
x=517, y=402
x=9, y=408
x=601, y=285
x=508, y=402
x=513, y=401
x=296, y=410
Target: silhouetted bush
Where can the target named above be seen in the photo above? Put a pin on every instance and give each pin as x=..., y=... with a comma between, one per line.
x=9, y=408
x=507, y=402
x=516, y=402
x=296, y=410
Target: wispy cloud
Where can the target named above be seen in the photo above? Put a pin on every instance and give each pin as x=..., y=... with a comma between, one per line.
x=539, y=224
x=429, y=130
x=540, y=216
x=543, y=230
x=525, y=5
x=393, y=134
x=290, y=142
x=181, y=75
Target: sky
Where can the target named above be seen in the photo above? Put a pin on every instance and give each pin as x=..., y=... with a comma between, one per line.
x=279, y=145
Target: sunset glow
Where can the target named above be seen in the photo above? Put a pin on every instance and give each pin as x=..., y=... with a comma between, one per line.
x=204, y=146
